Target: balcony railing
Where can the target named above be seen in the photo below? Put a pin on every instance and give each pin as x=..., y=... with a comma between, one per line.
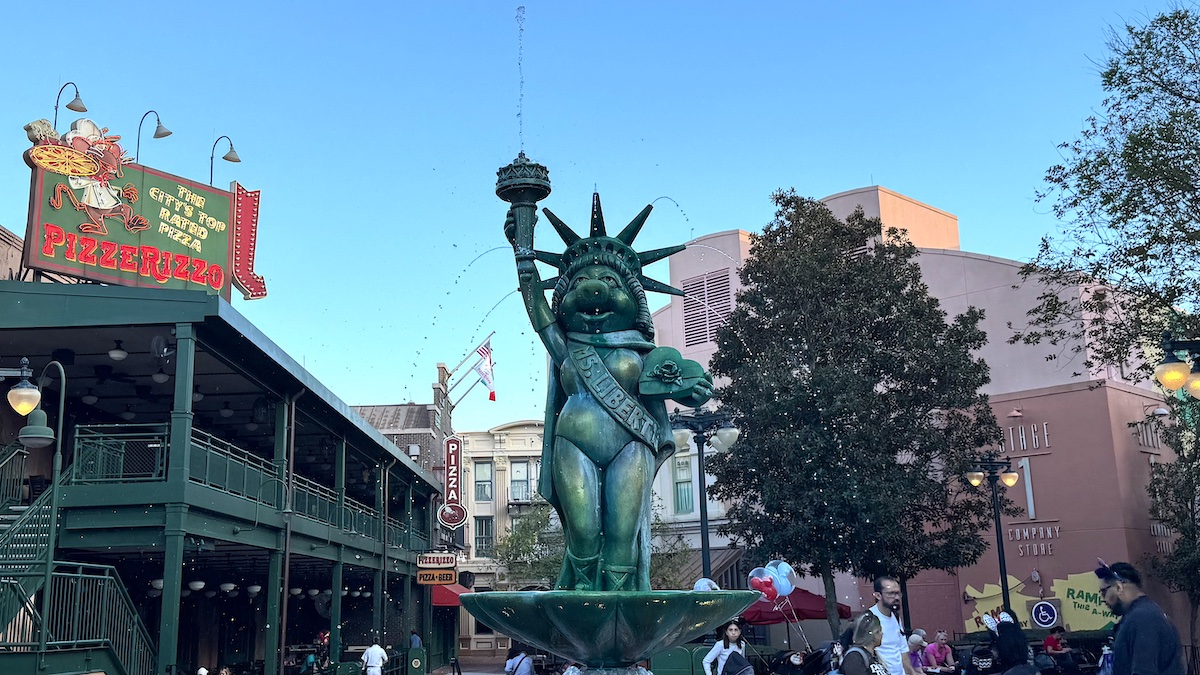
x=120, y=453
x=139, y=452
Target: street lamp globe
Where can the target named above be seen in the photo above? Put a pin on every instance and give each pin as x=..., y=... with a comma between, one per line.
x=1010, y=478
x=24, y=397
x=1172, y=373
x=975, y=478
x=728, y=435
x=681, y=437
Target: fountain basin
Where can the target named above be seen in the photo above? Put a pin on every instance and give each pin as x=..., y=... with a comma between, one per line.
x=606, y=629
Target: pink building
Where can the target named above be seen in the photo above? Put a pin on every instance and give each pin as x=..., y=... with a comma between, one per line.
x=1077, y=438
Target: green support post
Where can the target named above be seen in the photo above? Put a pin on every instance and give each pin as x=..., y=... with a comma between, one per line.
x=377, y=606
x=335, y=611
x=339, y=478
x=172, y=576
x=274, y=592
x=178, y=464
x=408, y=524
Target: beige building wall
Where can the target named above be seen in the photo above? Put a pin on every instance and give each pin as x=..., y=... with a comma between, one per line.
x=493, y=504
x=927, y=226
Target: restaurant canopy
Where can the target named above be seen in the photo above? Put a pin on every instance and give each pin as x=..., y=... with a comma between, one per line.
x=797, y=606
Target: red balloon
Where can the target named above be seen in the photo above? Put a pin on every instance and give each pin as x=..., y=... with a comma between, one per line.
x=766, y=586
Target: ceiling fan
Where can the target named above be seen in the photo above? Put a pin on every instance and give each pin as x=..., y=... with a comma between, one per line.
x=105, y=373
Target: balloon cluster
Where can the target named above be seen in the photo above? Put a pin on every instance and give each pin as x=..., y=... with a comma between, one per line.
x=776, y=580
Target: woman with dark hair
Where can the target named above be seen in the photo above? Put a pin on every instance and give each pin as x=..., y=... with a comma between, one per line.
x=1012, y=650
x=731, y=642
x=860, y=658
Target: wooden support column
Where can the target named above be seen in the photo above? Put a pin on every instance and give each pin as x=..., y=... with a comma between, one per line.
x=172, y=576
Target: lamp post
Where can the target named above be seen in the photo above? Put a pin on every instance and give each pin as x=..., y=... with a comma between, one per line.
x=230, y=156
x=76, y=103
x=25, y=398
x=715, y=429
x=159, y=132
x=996, y=471
x=1175, y=373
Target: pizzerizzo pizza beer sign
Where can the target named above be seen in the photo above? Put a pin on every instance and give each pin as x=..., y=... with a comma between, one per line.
x=96, y=215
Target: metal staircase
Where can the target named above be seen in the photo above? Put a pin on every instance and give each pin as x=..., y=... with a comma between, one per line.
x=92, y=623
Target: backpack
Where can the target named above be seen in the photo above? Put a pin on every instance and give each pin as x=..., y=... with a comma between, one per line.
x=1044, y=662
x=860, y=650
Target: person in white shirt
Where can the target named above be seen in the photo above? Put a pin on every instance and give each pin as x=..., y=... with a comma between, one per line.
x=373, y=659
x=894, y=648
x=731, y=641
x=518, y=662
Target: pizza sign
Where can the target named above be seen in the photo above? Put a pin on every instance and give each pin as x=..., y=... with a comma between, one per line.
x=453, y=514
x=95, y=214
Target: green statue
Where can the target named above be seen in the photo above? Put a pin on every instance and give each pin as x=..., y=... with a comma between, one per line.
x=607, y=431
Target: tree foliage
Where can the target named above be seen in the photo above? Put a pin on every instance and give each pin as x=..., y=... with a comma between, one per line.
x=858, y=402
x=1123, y=265
x=1175, y=502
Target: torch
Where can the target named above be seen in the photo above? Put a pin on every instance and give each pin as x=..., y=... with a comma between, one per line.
x=523, y=184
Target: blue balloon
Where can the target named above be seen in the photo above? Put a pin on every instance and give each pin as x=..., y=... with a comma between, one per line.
x=783, y=574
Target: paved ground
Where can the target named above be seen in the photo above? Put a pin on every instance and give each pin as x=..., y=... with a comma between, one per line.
x=477, y=665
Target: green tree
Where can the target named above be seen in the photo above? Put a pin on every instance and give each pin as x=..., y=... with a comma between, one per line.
x=1123, y=260
x=858, y=402
x=1122, y=267
x=1175, y=502
x=531, y=551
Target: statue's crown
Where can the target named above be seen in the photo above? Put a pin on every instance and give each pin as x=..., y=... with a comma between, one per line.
x=603, y=249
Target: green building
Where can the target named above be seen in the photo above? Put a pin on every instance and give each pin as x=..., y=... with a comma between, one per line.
x=215, y=504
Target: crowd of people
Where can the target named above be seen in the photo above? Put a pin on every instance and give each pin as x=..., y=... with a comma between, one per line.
x=1144, y=641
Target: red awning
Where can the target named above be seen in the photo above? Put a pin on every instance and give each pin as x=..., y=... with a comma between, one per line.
x=805, y=605
x=447, y=596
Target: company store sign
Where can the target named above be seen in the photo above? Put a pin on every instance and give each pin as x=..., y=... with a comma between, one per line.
x=96, y=215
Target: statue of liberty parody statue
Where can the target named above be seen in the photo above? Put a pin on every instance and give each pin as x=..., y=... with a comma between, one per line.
x=607, y=431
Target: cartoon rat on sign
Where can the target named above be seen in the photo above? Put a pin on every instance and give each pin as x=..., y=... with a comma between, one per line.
x=99, y=200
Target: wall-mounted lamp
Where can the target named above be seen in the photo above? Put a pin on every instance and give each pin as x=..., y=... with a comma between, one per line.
x=1158, y=411
x=1016, y=412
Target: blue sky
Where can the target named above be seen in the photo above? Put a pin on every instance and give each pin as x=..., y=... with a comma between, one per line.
x=374, y=131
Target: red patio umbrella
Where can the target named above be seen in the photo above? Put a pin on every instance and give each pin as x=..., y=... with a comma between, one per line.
x=805, y=605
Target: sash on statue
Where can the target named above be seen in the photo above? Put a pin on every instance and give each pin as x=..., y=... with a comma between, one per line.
x=624, y=407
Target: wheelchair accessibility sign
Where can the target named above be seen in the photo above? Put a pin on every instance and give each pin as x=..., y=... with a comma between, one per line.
x=1044, y=614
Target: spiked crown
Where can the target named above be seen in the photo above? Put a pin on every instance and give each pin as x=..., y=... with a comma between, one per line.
x=601, y=249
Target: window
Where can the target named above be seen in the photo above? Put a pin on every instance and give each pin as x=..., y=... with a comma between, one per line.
x=485, y=536
x=518, y=487
x=707, y=301
x=683, y=486
x=483, y=481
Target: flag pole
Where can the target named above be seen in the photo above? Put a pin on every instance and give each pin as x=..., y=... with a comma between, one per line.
x=470, y=354
x=478, y=379
x=464, y=379
x=460, y=398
